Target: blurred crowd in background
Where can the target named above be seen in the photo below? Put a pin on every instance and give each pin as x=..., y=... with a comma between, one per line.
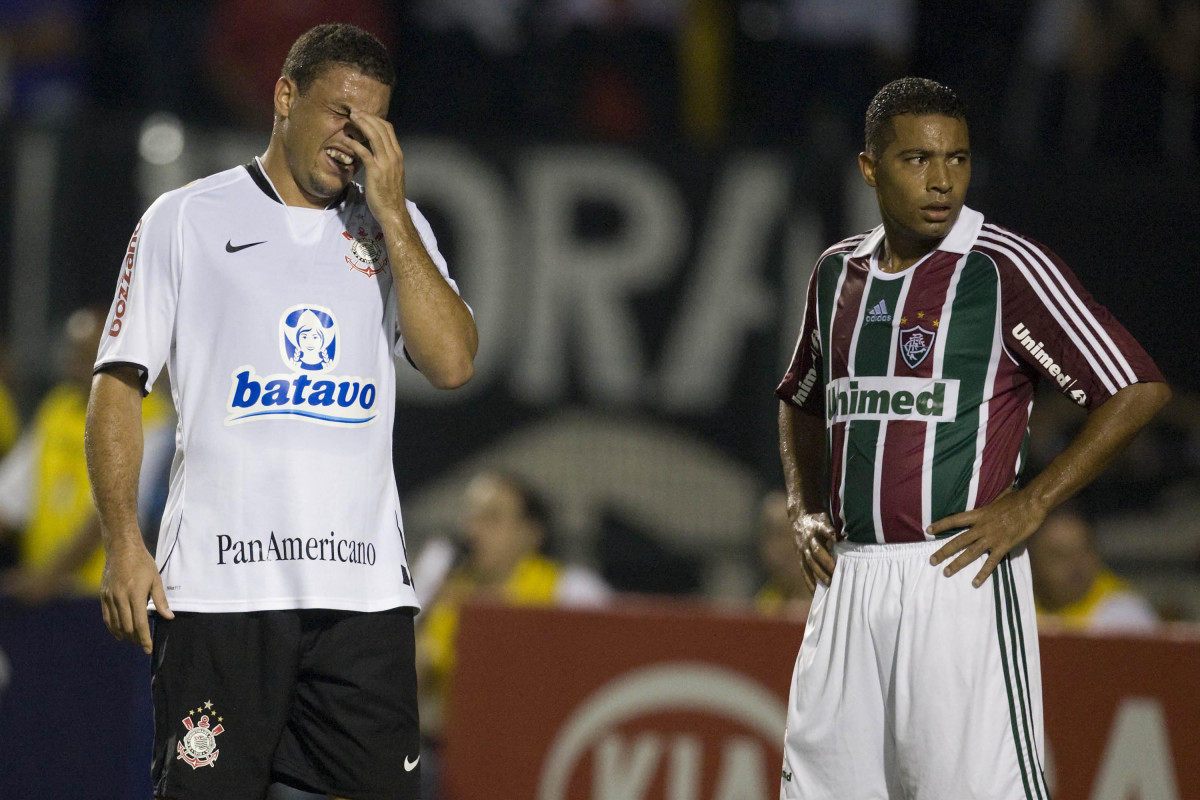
x=1056, y=75
x=1049, y=83
x=581, y=486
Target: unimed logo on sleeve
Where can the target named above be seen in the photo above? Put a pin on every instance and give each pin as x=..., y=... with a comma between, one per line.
x=668, y=731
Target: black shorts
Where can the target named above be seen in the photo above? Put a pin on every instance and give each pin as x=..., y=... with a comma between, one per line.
x=324, y=701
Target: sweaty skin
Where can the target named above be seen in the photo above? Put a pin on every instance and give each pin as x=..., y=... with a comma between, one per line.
x=342, y=110
x=920, y=181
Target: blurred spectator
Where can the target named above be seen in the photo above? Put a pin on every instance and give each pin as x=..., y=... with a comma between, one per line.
x=784, y=594
x=41, y=59
x=620, y=66
x=1095, y=71
x=10, y=417
x=504, y=530
x=45, y=494
x=247, y=40
x=1072, y=585
x=831, y=55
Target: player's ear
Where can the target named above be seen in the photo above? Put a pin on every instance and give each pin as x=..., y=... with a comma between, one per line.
x=286, y=93
x=866, y=165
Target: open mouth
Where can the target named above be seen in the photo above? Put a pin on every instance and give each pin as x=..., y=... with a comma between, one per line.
x=340, y=159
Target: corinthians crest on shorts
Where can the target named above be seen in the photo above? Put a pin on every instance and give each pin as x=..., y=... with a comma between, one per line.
x=915, y=344
x=198, y=747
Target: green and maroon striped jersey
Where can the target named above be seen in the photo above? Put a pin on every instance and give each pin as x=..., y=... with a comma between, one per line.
x=925, y=378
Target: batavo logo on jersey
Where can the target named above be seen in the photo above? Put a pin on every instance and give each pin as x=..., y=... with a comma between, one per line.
x=666, y=731
x=919, y=399
x=122, y=303
x=309, y=344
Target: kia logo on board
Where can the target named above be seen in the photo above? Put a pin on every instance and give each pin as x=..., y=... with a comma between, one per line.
x=669, y=731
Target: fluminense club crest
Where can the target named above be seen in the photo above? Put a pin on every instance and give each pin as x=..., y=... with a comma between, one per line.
x=368, y=253
x=915, y=344
x=198, y=747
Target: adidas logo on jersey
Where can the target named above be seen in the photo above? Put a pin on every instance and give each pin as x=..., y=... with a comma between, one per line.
x=309, y=346
x=879, y=313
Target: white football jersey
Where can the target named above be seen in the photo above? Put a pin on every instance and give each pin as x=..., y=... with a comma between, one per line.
x=279, y=329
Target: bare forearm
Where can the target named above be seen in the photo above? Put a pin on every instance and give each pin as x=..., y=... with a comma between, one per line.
x=113, y=440
x=1108, y=430
x=802, y=452
x=439, y=332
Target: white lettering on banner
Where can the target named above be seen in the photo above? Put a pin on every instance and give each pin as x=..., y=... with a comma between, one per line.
x=622, y=771
x=743, y=771
x=626, y=771
x=683, y=773
x=727, y=299
x=551, y=302
x=583, y=290
x=1137, y=761
x=479, y=212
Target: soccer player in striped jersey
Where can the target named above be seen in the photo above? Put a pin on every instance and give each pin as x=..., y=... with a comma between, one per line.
x=903, y=424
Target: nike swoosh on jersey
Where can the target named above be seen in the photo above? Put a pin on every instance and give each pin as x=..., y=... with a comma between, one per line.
x=409, y=766
x=230, y=247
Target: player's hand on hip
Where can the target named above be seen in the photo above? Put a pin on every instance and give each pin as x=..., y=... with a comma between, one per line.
x=814, y=538
x=130, y=578
x=993, y=529
x=383, y=161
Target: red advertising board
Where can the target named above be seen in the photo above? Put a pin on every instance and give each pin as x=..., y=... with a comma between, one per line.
x=687, y=703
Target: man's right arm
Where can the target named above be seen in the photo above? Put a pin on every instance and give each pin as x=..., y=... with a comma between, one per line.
x=113, y=441
x=802, y=451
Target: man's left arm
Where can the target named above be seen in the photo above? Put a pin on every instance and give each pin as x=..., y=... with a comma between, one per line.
x=1014, y=516
x=438, y=329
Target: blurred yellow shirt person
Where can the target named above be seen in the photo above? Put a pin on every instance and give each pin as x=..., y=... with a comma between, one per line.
x=1071, y=584
x=784, y=593
x=45, y=494
x=504, y=526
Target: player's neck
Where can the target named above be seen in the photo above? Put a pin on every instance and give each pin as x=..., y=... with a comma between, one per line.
x=900, y=252
x=275, y=165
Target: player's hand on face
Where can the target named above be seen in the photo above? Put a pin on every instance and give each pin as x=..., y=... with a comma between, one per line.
x=814, y=537
x=993, y=529
x=383, y=161
x=130, y=578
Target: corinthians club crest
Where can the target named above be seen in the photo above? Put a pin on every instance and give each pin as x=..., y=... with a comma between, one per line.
x=198, y=747
x=915, y=344
x=368, y=253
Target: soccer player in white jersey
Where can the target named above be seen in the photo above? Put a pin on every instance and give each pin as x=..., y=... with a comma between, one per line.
x=902, y=427
x=279, y=295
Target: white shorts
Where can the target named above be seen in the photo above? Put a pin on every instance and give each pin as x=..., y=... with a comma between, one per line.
x=913, y=686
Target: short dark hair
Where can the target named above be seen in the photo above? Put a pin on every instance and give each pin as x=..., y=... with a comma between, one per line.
x=337, y=43
x=907, y=96
x=533, y=505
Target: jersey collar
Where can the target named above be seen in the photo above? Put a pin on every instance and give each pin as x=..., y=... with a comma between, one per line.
x=960, y=239
x=259, y=176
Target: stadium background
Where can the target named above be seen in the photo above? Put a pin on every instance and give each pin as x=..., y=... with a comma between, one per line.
x=631, y=196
